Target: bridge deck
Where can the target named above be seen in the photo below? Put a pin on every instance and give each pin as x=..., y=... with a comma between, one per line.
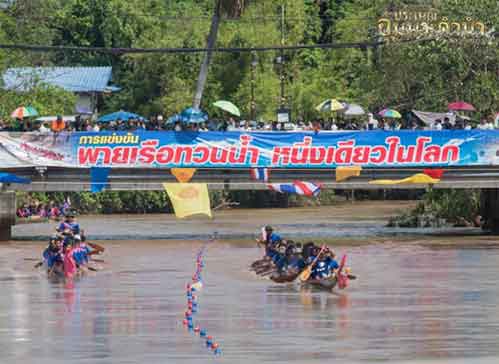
x=64, y=179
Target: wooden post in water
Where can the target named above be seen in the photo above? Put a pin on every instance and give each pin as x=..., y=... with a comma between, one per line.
x=7, y=214
x=489, y=209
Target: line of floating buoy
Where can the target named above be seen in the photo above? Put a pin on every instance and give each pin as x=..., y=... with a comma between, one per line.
x=192, y=305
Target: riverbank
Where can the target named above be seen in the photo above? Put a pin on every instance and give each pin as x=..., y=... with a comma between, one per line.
x=347, y=223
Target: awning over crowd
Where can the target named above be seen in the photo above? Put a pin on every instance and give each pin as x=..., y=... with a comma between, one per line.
x=429, y=118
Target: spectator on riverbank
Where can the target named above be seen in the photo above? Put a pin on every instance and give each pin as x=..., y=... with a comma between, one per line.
x=35, y=209
x=157, y=123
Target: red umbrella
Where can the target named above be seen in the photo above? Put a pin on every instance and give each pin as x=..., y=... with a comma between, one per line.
x=461, y=106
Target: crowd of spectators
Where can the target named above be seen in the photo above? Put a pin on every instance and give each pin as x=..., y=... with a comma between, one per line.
x=157, y=123
x=35, y=209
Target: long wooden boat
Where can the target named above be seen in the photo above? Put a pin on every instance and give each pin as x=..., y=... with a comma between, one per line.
x=328, y=283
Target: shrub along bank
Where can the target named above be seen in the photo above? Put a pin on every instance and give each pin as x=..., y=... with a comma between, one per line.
x=140, y=202
x=442, y=207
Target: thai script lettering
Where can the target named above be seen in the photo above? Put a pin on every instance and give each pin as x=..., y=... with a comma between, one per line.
x=411, y=21
x=150, y=152
x=128, y=138
x=41, y=152
x=348, y=153
x=302, y=153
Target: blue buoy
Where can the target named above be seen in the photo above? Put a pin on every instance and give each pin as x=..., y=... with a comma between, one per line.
x=202, y=333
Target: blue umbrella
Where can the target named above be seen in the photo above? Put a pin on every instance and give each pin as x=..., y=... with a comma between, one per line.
x=121, y=115
x=173, y=119
x=193, y=116
x=11, y=178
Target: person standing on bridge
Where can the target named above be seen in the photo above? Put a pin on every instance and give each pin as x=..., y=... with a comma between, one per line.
x=58, y=125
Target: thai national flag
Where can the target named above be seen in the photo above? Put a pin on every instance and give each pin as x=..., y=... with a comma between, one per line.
x=298, y=187
x=260, y=174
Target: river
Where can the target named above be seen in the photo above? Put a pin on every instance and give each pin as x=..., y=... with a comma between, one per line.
x=421, y=297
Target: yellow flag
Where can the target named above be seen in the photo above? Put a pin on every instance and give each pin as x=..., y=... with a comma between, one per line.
x=343, y=173
x=189, y=198
x=183, y=175
x=419, y=178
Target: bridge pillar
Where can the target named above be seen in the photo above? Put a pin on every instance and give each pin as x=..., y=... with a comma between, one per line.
x=489, y=209
x=7, y=214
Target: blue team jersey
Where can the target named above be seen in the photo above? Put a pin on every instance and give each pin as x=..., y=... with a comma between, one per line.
x=51, y=258
x=80, y=254
x=73, y=226
x=296, y=263
x=272, y=241
x=333, y=264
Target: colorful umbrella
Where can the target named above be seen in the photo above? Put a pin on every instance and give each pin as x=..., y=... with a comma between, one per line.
x=193, y=116
x=461, y=106
x=228, y=106
x=331, y=105
x=24, y=112
x=390, y=114
x=353, y=110
x=120, y=115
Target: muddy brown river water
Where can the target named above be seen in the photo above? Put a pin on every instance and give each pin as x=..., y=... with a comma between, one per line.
x=420, y=297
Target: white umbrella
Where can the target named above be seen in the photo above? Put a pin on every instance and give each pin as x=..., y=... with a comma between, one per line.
x=354, y=110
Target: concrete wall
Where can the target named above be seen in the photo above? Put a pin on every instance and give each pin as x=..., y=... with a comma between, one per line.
x=7, y=214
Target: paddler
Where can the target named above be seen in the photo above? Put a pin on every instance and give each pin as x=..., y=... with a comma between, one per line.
x=326, y=266
x=69, y=223
x=52, y=256
x=91, y=248
x=80, y=254
x=271, y=242
x=70, y=268
x=295, y=260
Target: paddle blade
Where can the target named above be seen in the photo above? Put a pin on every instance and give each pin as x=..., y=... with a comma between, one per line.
x=264, y=234
x=305, y=275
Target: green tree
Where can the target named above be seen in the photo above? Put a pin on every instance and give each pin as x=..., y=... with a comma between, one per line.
x=47, y=100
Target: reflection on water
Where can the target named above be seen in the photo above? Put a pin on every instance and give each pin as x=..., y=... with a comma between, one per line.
x=410, y=303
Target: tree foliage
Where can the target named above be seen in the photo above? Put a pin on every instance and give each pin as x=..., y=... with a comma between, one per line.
x=47, y=100
x=414, y=75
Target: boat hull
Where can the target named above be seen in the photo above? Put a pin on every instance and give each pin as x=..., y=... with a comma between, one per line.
x=328, y=283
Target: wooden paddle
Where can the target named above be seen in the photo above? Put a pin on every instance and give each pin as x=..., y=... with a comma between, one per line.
x=305, y=274
x=98, y=260
x=98, y=249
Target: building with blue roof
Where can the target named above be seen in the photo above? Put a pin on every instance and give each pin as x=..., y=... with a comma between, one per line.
x=88, y=83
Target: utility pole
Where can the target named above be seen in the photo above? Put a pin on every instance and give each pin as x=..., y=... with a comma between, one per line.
x=281, y=57
x=254, y=63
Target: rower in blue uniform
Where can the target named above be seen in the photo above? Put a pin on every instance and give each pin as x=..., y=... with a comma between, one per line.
x=70, y=224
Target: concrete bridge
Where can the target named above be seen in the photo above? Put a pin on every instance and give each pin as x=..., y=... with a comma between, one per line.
x=53, y=179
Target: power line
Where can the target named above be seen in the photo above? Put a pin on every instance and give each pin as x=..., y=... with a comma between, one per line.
x=120, y=51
